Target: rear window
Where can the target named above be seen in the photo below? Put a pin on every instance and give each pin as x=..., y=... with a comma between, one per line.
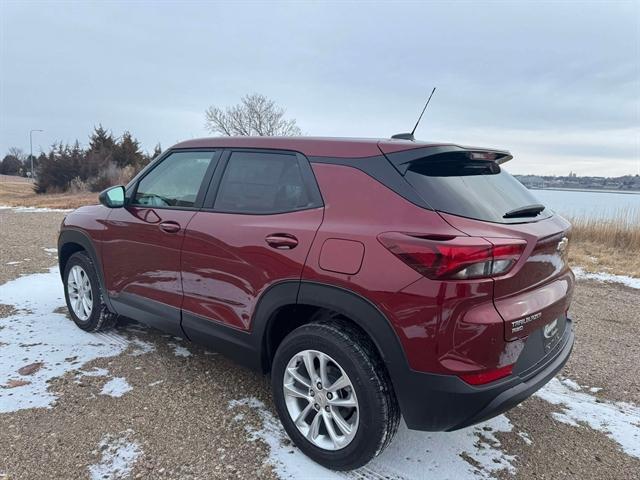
x=259, y=183
x=469, y=188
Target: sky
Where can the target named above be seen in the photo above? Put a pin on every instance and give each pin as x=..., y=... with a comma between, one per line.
x=556, y=83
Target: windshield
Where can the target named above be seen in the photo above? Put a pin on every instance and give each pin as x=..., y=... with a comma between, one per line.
x=475, y=189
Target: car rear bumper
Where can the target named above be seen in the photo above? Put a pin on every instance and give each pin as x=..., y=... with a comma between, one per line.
x=433, y=402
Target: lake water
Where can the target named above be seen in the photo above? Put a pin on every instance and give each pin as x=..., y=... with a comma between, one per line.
x=590, y=204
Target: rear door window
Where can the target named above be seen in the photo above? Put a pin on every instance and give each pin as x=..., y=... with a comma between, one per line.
x=262, y=183
x=480, y=190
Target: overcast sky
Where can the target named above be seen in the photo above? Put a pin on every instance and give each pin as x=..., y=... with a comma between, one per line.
x=558, y=84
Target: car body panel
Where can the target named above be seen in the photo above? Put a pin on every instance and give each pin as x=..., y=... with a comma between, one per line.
x=539, y=288
x=140, y=258
x=227, y=264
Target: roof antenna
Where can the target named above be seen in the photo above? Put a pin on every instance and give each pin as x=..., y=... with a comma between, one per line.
x=409, y=136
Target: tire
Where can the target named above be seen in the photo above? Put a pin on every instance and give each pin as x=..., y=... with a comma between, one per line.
x=345, y=350
x=98, y=317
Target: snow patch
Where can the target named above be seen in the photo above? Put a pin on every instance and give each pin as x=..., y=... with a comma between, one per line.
x=179, y=350
x=525, y=437
x=412, y=455
x=631, y=282
x=140, y=347
x=116, y=387
x=96, y=372
x=570, y=384
x=36, y=334
x=620, y=421
x=119, y=455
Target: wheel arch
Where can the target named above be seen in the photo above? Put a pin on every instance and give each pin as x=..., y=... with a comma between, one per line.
x=313, y=296
x=71, y=241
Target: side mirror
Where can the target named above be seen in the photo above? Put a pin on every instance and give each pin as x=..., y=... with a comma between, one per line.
x=112, y=197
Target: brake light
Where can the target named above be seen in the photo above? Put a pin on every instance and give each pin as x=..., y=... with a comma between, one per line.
x=455, y=258
x=487, y=376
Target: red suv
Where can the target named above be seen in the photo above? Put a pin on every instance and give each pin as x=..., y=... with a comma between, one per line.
x=370, y=278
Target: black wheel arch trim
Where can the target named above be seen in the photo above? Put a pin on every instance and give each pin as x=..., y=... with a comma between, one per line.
x=72, y=235
x=345, y=302
x=362, y=312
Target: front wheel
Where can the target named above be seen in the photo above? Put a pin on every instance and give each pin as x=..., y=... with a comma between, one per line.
x=83, y=296
x=333, y=394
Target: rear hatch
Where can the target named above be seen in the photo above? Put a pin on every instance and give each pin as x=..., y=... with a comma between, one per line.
x=473, y=193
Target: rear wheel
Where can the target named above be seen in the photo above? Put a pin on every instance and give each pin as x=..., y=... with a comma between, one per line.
x=83, y=295
x=333, y=395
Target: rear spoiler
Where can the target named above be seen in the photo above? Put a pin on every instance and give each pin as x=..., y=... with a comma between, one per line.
x=402, y=159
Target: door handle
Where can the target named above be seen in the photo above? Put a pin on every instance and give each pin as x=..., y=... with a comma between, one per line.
x=169, y=227
x=281, y=241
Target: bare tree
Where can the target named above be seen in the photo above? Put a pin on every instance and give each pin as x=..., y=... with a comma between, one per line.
x=255, y=115
x=17, y=152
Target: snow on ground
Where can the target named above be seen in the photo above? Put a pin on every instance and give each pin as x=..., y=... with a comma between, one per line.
x=607, y=277
x=140, y=347
x=37, y=345
x=34, y=209
x=35, y=334
x=119, y=455
x=472, y=453
x=620, y=421
x=412, y=455
x=179, y=350
x=116, y=387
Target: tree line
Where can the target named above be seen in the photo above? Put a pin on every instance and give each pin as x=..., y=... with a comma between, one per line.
x=114, y=161
x=107, y=161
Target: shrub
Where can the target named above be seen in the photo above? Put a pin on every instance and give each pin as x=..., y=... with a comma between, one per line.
x=106, y=162
x=77, y=185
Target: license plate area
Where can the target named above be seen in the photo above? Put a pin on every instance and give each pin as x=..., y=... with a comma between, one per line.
x=552, y=332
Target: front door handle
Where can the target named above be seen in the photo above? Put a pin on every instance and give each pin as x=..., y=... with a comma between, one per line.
x=281, y=241
x=170, y=227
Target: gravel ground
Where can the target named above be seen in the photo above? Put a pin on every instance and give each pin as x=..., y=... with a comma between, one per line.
x=23, y=239
x=179, y=410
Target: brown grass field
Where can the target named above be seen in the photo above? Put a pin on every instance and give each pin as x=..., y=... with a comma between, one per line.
x=607, y=245
x=598, y=245
x=18, y=192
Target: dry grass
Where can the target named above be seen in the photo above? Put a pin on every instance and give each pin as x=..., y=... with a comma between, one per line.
x=607, y=245
x=18, y=192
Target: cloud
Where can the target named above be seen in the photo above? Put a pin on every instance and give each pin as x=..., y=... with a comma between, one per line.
x=545, y=80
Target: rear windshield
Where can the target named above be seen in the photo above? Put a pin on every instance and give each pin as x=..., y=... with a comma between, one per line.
x=475, y=189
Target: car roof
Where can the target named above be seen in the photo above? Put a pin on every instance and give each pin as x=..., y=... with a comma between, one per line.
x=311, y=146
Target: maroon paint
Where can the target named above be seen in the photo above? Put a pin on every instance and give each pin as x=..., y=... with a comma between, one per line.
x=139, y=257
x=341, y=256
x=227, y=262
x=444, y=327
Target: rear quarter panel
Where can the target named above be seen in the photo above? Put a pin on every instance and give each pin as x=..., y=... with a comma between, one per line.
x=425, y=314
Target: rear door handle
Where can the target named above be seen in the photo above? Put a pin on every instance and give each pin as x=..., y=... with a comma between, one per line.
x=170, y=227
x=281, y=241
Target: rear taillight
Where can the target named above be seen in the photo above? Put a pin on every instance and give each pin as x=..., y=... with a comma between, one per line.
x=454, y=258
x=487, y=376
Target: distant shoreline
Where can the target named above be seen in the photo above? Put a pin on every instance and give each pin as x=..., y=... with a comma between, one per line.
x=594, y=190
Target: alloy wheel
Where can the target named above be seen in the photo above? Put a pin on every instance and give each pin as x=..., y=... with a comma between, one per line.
x=321, y=400
x=79, y=291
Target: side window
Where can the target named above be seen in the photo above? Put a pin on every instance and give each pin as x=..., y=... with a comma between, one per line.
x=175, y=182
x=256, y=182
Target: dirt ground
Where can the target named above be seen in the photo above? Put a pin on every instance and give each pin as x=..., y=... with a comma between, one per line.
x=179, y=405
